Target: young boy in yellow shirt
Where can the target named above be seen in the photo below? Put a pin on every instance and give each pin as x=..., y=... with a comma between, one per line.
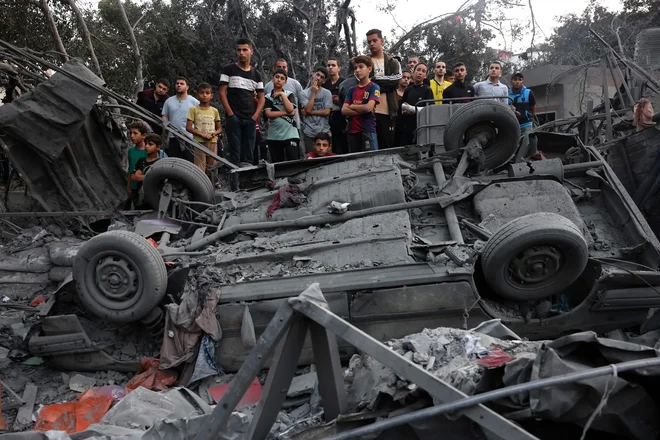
x=204, y=124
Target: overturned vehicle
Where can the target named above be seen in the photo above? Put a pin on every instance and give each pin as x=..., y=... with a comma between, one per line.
x=445, y=233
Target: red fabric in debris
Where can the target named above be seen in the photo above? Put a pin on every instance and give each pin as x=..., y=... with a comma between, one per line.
x=286, y=196
x=496, y=358
x=38, y=300
x=151, y=378
x=74, y=416
x=251, y=396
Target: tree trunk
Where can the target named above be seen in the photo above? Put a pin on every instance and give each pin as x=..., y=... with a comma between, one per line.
x=53, y=28
x=134, y=46
x=87, y=36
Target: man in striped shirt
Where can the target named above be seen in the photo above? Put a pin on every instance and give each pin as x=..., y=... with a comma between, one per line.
x=238, y=83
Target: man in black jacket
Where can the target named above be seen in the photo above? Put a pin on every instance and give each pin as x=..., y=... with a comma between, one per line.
x=461, y=88
x=386, y=73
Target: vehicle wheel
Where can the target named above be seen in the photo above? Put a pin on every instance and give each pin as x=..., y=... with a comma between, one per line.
x=188, y=181
x=534, y=256
x=495, y=119
x=119, y=276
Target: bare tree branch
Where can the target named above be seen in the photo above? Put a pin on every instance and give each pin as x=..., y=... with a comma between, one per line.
x=531, y=11
x=428, y=24
x=140, y=19
x=86, y=35
x=134, y=45
x=43, y=5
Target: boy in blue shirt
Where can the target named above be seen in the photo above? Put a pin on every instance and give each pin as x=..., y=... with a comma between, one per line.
x=359, y=105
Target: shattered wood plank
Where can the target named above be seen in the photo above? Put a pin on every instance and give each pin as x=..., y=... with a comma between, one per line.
x=24, y=416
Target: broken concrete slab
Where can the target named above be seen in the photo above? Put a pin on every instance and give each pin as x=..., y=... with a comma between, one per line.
x=303, y=384
x=80, y=383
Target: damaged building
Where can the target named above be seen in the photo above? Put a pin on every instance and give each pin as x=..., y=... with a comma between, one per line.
x=383, y=294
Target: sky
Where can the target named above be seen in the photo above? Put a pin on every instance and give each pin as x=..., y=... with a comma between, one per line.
x=410, y=12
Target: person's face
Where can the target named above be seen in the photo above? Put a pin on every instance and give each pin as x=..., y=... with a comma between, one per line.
x=495, y=70
x=181, y=86
x=405, y=79
x=460, y=73
x=243, y=52
x=362, y=71
x=281, y=65
x=152, y=148
x=279, y=80
x=161, y=89
x=412, y=62
x=517, y=83
x=322, y=147
x=204, y=95
x=440, y=69
x=319, y=77
x=375, y=43
x=333, y=67
x=420, y=74
x=136, y=136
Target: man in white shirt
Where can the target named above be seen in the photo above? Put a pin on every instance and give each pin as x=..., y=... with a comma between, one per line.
x=492, y=86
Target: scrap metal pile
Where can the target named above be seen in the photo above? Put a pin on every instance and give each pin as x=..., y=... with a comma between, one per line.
x=514, y=300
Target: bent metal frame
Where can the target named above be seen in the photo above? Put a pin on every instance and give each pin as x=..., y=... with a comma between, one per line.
x=309, y=312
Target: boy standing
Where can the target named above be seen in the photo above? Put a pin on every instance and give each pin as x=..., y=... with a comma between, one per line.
x=238, y=82
x=175, y=110
x=282, y=131
x=316, y=104
x=204, y=124
x=322, y=146
x=152, y=148
x=524, y=102
x=137, y=133
x=418, y=91
x=359, y=108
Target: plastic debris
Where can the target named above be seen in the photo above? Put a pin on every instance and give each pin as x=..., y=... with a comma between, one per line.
x=151, y=378
x=251, y=396
x=74, y=416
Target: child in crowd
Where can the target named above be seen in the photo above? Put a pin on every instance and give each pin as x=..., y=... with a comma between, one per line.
x=282, y=131
x=322, y=146
x=359, y=105
x=417, y=91
x=204, y=123
x=137, y=132
x=152, y=149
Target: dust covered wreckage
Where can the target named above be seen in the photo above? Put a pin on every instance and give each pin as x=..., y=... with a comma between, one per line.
x=571, y=259
x=414, y=250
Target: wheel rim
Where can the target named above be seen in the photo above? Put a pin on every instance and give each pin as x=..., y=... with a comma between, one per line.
x=114, y=280
x=534, y=265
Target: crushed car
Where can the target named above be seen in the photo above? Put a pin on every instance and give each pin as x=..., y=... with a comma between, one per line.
x=445, y=233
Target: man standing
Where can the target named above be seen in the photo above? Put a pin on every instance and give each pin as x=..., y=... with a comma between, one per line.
x=386, y=74
x=416, y=92
x=460, y=88
x=413, y=60
x=439, y=83
x=524, y=102
x=492, y=86
x=316, y=105
x=238, y=83
x=337, y=121
x=153, y=100
x=175, y=110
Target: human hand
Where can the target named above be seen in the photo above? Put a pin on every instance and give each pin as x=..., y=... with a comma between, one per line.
x=208, y=136
x=316, y=86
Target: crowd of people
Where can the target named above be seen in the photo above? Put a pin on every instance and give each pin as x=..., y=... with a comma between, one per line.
x=373, y=108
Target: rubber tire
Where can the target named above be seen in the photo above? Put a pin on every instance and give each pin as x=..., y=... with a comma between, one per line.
x=497, y=152
x=146, y=261
x=544, y=228
x=173, y=168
